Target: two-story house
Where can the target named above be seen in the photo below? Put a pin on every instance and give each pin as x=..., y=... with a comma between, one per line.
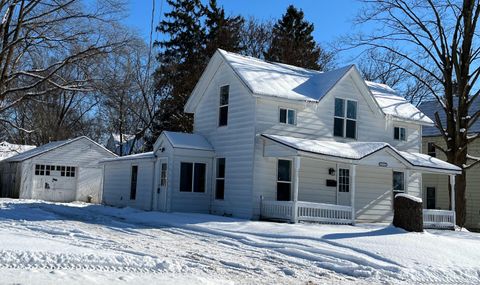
x=277, y=141
x=435, y=187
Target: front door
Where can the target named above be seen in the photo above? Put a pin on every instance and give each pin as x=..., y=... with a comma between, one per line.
x=431, y=198
x=343, y=187
x=162, y=185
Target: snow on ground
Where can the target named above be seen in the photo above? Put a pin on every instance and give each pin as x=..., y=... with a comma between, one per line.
x=76, y=243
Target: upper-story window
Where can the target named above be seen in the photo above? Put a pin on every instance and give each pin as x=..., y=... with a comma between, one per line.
x=345, y=120
x=431, y=149
x=287, y=116
x=223, y=107
x=399, y=134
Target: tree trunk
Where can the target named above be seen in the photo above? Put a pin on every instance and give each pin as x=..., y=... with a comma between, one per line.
x=460, y=200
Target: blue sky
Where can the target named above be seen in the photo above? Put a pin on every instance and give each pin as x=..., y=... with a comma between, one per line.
x=331, y=18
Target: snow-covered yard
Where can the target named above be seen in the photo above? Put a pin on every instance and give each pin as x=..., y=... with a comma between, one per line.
x=43, y=242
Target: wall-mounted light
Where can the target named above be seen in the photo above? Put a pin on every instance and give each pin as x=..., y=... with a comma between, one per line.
x=331, y=171
x=162, y=149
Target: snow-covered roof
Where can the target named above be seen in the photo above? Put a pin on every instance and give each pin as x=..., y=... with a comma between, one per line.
x=48, y=147
x=283, y=80
x=9, y=149
x=144, y=155
x=430, y=107
x=396, y=106
x=125, y=137
x=358, y=151
x=411, y=197
x=188, y=141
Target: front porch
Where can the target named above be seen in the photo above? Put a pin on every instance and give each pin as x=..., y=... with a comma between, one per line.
x=346, y=183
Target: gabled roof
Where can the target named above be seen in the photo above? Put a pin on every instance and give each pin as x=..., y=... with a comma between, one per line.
x=432, y=106
x=49, y=147
x=358, y=151
x=396, y=106
x=9, y=149
x=283, y=80
x=188, y=141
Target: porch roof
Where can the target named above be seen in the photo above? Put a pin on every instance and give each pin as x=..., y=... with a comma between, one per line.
x=358, y=151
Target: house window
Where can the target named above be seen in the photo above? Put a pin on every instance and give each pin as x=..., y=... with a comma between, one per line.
x=46, y=170
x=163, y=175
x=343, y=180
x=345, y=119
x=192, y=177
x=220, y=179
x=39, y=169
x=223, y=109
x=133, y=182
x=284, y=179
x=287, y=116
x=431, y=198
x=399, y=134
x=67, y=171
x=398, y=182
x=431, y=149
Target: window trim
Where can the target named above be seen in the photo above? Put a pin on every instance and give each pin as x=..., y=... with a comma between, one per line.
x=345, y=118
x=400, y=133
x=286, y=116
x=220, y=106
x=193, y=177
x=217, y=178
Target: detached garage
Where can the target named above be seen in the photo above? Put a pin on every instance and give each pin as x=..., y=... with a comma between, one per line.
x=61, y=171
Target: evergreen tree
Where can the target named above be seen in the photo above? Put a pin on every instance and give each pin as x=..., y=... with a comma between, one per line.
x=293, y=43
x=223, y=32
x=181, y=61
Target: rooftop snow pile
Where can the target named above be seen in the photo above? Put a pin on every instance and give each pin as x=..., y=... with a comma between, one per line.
x=145, y=155
x=359, y=150
x=9, y=149
x=283, y=80
x=189, y=141
x=394, y=105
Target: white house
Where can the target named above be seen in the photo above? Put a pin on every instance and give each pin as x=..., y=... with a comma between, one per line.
x=277, y=141
x=9, y=149
x=62, y=171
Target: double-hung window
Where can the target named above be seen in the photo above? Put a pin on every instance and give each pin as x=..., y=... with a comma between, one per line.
x=287, y=116
x=223, y=107
x=345, y=119
x=399, y=134
x=192, y=177
x=220, y=179
x=398, y=182
x=284, y=179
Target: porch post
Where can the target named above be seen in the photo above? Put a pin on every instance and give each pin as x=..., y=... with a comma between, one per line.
x=295, y=189
x=352, y=196
x=452, y=184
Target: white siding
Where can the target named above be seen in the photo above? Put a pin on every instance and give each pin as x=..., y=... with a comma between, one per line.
x=235, y=141
x=117, y=181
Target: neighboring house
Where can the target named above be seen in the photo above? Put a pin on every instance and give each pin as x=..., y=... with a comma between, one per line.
x=124, y=145
x=61, y=171
x=435, y=187
x=277, y=141
x=9, y=149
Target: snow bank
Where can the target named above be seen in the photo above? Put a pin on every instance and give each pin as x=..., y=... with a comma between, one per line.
x=413, y=198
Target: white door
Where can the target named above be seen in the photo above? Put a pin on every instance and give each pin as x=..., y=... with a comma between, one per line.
x=343, y=187
x=162, y=185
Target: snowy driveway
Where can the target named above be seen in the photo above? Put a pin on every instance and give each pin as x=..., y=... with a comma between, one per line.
x=43, y=242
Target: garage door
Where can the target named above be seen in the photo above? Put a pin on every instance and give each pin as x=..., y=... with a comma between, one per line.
x=55, y=182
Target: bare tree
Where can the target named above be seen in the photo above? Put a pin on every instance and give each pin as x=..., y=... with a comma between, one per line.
x=256, y=37
x=42, y=38
x=438, y=39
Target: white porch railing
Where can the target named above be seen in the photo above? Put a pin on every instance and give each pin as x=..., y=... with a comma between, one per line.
x=438, y=219
x=306, y=211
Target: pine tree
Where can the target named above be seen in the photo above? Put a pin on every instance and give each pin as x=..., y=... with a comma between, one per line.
x=181, y=61
x=223, y=32
x=293, y=42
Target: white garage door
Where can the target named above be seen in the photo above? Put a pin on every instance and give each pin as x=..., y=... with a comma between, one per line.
x=55, y=182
